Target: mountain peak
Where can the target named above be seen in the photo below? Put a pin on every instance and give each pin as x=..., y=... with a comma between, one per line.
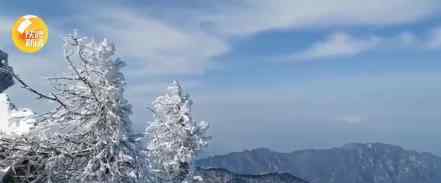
x=261, y=150
x=375, y=145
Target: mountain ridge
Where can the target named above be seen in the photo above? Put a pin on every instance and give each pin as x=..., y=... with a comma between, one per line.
x=219, y=175
x=350, y=163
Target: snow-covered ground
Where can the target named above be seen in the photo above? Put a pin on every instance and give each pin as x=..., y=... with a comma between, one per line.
x=14, y=121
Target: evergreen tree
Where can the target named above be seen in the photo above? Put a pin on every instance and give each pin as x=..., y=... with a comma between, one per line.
x=93, y=126
x=174, y=138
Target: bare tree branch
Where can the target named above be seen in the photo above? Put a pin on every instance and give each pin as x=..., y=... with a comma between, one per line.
x=27, y=87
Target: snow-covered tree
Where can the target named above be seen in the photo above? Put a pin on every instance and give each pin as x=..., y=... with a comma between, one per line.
x=86, y=138
x=174, y=138
x=93, y=124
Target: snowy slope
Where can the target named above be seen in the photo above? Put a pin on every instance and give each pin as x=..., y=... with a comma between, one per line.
x=14, y=121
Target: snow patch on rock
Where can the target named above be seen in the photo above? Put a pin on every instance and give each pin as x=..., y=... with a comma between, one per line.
x=14, y=121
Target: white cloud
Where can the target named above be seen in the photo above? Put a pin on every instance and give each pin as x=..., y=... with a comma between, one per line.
x=429, y=39
x=342, y=44
x=426, y=40
x=252, y=16
x=163, y=48
x=337, y=45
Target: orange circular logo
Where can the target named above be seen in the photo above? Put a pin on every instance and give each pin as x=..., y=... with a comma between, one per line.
x=29, y=34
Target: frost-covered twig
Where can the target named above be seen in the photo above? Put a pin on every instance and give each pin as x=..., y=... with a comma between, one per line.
x=27, y=87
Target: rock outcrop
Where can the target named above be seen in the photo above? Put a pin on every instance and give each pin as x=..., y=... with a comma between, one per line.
x=6, y=79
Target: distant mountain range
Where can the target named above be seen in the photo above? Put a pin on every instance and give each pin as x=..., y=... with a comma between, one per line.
x=351, y=163
x=218, y=175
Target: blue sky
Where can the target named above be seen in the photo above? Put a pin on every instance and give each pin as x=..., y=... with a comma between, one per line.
x=284, y=74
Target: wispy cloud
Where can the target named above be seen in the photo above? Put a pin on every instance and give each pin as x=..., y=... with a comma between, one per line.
x=163, y=48
x=341, y=44
x=430, y=39
x=337, y=45
x=253, y=16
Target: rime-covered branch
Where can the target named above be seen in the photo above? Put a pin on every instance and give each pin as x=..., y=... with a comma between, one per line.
x=27, y=87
